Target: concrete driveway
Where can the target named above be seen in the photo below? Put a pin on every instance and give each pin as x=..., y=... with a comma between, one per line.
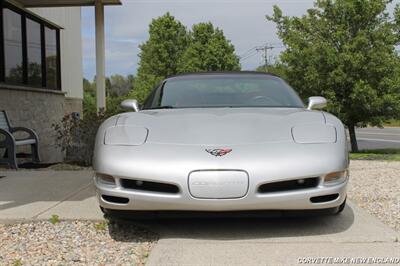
x=276, y=241
x=27, y=195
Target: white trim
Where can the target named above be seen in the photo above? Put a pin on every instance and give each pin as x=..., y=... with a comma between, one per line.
x=100, y=56
x=4, y=86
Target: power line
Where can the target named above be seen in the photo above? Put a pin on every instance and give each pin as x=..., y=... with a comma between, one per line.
x=250, y=51
x=249, y=55
x=262, y=48
x=265, y=49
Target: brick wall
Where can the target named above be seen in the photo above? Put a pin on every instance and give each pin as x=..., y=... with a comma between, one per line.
x=36, y=109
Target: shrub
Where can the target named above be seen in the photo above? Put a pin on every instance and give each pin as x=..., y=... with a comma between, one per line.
x=76, y=136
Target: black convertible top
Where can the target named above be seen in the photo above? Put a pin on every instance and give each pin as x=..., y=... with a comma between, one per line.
x=220, y=73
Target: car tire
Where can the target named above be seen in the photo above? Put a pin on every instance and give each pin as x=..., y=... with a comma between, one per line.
x=117, y=214
x=104, y=210
x=341, y=207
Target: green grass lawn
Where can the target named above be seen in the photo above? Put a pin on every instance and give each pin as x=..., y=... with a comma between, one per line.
x=383, y=155
x=392, y=123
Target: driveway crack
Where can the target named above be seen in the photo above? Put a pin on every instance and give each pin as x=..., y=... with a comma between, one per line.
x=63, y=200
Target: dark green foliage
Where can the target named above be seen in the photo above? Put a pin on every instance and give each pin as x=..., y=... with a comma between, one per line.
x=117, y=89
x=208, y=50
x=120, y=85
x=344, y=50
x=159, y=56
x=277, y=68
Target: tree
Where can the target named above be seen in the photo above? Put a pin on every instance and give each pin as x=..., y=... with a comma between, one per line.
x=344, y=50
x=117, y=88
x=120, y=85
x=89, y=97
x=159, y=56
x=88, y=87
x=208, y=50
x=278, y=68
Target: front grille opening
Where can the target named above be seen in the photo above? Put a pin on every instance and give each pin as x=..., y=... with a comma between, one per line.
x=149, y=186
x=113, y=199
x=326, y=198
x=289, y=185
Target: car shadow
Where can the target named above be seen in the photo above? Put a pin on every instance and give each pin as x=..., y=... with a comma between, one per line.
x=239, y=227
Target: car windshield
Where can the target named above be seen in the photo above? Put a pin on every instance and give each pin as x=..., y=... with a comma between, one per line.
x=213, y=91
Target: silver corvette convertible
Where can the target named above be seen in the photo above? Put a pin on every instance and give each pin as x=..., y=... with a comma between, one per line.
x=222, y=142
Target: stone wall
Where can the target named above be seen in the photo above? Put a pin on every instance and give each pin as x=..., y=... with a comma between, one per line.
x=38, y=109
x=73, y=105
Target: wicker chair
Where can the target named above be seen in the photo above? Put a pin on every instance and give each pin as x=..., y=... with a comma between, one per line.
x=9, y=142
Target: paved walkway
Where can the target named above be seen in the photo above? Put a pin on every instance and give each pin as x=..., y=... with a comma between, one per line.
x=27, y=195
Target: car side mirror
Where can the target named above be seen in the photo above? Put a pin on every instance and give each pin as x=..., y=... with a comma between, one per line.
x=316, y=102
x=131, y=104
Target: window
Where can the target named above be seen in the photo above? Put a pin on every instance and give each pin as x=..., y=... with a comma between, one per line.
x=29, y=49
x=34, y=46
x=224, y=90
x=12, y=47
x=51, y=58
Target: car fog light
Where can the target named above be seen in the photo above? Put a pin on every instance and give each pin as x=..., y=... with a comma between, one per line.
x=300, y=181
x=335, y=177
x=105, y=179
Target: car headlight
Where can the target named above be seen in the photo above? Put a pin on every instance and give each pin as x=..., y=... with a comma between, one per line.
x=105, y=179
x=314, y=133
x=336, y=177
x=125, y=136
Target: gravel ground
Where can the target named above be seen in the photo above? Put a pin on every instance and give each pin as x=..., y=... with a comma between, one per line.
x=74, y=243
x=375, y=187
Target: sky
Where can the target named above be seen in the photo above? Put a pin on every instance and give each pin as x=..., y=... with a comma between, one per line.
x=243, y=23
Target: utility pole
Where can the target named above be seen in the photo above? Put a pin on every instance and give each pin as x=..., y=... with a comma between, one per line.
x=265, y=49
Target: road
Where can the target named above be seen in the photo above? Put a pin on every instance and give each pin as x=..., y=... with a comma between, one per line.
x=377, y=138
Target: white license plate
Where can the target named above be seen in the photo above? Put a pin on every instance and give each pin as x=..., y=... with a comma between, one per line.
x=224, y=184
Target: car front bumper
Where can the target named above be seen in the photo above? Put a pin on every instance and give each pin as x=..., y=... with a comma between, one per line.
x=261, y=163
x=253, y=200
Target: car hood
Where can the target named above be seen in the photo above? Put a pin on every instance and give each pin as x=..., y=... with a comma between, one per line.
x=220, y=126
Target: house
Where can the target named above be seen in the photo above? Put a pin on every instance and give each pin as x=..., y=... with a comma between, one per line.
x=41, y=64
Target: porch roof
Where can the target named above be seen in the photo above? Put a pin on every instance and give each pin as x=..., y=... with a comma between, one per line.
x=60, y=3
